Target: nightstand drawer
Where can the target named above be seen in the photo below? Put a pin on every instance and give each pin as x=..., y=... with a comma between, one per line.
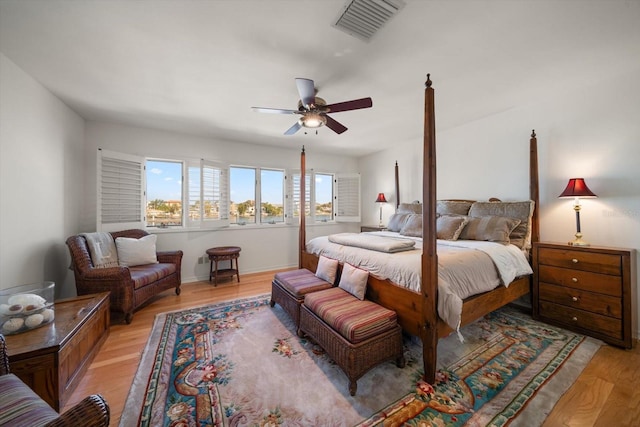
x=588, y=301
x=593, y=282
x=581, y=319
x=579, y=260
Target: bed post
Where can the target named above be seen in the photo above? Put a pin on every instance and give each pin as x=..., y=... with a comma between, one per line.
x=534, y=186
x=429, y=253
x=397, y=188
x=302, y=238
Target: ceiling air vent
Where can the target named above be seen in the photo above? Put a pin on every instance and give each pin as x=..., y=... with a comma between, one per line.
x=362, y=18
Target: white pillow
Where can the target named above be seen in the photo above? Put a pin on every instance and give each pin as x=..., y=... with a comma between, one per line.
x=132, y=252
x=327, y=269
x=354, y=280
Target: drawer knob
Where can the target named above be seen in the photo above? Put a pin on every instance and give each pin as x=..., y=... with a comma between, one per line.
x=574, y=260
x=574, y=279
x=574, y=299
x=574, y=318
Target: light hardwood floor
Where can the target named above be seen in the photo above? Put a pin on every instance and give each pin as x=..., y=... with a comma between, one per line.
x=605, y=394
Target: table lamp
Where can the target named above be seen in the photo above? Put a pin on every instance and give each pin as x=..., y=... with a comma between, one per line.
x=577, y=188
x=381, y=199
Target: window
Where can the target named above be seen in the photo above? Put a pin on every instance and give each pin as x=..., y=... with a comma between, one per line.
x=328, y=197
x=134, y=192
x=323, y=197
x=252, y=187
x=271, y=196
x=164, y=193
x=208, y=193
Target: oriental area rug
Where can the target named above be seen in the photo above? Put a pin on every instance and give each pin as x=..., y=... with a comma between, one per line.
x=240, y=363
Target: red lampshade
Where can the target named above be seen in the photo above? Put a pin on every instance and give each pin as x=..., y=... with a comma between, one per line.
x=381, y=198
x=577, y=188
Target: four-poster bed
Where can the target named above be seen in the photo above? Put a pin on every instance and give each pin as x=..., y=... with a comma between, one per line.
x=417, y=311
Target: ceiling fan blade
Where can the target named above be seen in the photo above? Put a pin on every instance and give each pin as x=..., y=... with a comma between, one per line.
x=356, y=104
x=293, y=129
x=307, y=91
x=335, y=126
x=274, y=110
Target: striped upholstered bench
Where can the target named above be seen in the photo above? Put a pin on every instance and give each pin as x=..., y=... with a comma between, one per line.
x=356, y=334
x=289, y=288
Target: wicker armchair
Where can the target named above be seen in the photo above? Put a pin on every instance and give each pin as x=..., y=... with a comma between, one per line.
x=20, y=406
x=130, y=287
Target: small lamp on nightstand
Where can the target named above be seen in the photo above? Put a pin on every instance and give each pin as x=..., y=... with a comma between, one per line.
x=381, y=199
x=577, y=188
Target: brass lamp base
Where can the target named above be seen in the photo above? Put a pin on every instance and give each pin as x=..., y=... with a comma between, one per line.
x=578, y=241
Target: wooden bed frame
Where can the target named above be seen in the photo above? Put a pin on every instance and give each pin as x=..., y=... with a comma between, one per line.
x=417, y=312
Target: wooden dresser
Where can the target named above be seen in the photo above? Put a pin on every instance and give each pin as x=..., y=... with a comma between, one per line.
x=52, y=359
x=590, y=290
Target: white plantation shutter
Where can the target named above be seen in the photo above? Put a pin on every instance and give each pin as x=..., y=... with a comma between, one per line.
x=293, y=196
x=347, y=198
x=121, y=183
x=208, y=190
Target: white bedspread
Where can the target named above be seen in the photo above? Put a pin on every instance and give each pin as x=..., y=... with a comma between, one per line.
x=373, y=242
x=465, y=267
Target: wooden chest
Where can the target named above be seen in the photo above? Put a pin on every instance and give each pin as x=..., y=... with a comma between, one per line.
x=591, y=290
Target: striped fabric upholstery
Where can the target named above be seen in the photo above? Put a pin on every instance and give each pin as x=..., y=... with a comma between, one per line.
x=352, y=318
x=300, y=282
x=20, y=406
x=143, y=275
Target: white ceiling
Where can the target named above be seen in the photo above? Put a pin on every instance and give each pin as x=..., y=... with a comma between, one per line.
x=198, y=66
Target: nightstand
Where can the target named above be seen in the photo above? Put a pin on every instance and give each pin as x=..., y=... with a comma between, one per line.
x=364, y=228
x=590, y=290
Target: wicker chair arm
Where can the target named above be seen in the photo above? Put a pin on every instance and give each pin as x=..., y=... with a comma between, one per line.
x=92, y=411
x=115, y=274
x=170, y=257
x=4, y=357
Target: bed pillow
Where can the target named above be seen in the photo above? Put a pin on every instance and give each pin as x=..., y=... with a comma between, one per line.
x=412, y=226
x=132, y=252
x=411, y=208
x=490, y=228
x=453, y=207
x=396, y=221
x=449, y=227
x=522, y=210
x=327, y=269
x=354, y=280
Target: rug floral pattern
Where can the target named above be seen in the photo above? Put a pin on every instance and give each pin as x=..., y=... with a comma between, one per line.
x=241, y=364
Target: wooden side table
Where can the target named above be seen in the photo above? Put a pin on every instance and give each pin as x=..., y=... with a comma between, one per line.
x=223, y=253
x=52, y=359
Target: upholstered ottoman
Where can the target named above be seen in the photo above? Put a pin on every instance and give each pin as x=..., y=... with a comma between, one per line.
x=289, y=288
x=356, y=334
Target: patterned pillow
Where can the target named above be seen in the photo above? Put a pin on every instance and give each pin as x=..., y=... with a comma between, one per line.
x=449, y=227
x=453, y=207
x=415, y=208
x=354, y=280
x=396, y=221
x=490, y=228
x=523, y=210
x=413, y=226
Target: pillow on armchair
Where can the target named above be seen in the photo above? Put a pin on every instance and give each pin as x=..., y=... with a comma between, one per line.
x=132, y=252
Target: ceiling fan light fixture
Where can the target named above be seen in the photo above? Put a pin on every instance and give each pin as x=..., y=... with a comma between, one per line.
x=313, y=120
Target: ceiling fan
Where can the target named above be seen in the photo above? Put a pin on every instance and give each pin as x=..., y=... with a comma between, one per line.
x=313, y=110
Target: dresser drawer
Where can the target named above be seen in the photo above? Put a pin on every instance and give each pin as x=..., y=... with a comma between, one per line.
x=583, y=300
x=583, y=320
x=579, y=260
x=577, y=279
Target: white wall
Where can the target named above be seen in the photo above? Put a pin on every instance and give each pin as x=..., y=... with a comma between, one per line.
x=41, y=181
x=263, y=248
x=592, y=133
